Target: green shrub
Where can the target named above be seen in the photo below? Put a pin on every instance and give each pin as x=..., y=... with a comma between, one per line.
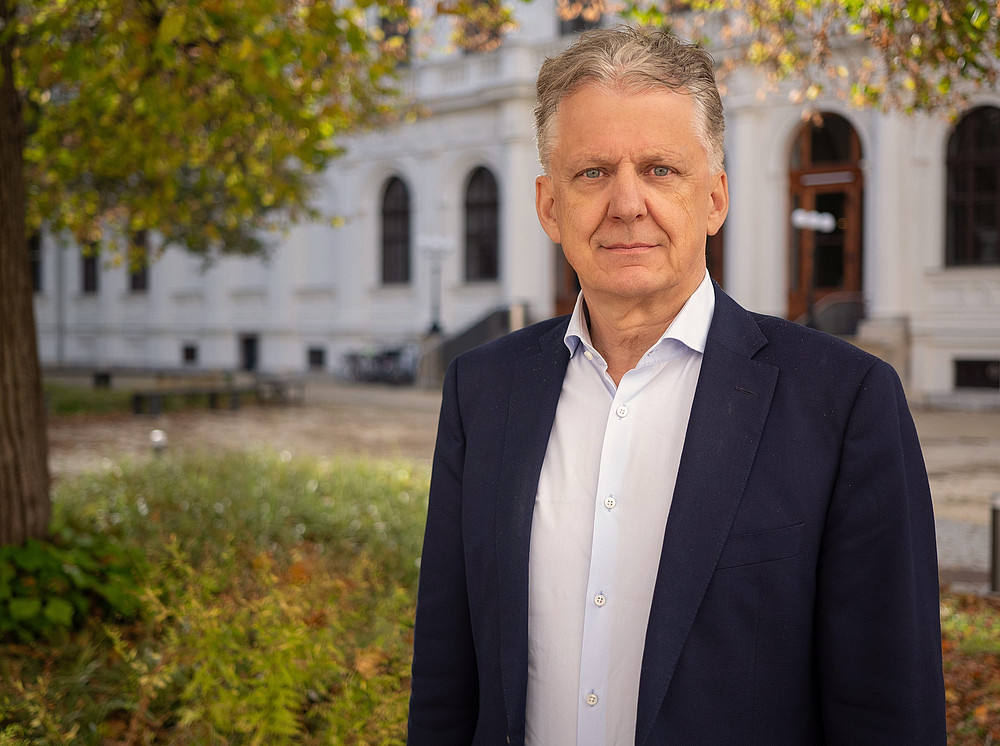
x=50, y=587
x=277, y=607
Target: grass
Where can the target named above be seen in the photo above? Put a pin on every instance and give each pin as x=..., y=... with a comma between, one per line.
x=278, y=600
x=75, y=399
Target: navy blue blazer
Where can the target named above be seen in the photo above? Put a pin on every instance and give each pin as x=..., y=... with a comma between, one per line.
x=796, y=599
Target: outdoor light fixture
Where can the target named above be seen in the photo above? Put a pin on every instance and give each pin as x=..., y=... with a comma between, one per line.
x=158, y=439
x=823, y=222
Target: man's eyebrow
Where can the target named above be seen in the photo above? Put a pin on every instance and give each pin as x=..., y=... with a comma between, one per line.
x=594, y=159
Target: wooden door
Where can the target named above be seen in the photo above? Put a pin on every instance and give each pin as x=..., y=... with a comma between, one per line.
x=825, y=178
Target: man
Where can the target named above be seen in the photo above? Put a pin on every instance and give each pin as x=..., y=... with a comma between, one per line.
x=666, y=519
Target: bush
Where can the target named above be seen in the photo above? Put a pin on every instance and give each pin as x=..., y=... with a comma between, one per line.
x=50, y=587
x=278, y=606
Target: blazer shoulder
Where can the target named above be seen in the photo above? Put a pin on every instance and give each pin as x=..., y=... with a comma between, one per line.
x=783, y=343
x=818, y=359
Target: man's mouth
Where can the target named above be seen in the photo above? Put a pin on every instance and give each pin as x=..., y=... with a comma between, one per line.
x=628, y=246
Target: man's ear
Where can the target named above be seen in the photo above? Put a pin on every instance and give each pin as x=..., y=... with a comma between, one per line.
x=718, y=206
x=545, y=206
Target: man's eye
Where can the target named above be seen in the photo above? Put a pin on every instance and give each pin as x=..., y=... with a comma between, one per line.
x=660, y=171
x=592, y=173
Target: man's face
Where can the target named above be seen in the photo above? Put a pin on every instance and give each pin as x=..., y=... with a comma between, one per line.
x=630, y=194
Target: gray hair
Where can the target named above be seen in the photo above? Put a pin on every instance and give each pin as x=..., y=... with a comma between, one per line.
x=631, y=60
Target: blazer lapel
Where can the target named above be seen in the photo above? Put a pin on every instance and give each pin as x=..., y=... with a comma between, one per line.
x=536, y=383
x=727, y=417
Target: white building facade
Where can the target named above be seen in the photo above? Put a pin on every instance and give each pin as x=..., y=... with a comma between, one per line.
x=437, y=229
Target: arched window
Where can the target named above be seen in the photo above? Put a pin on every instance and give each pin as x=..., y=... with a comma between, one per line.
x=482, y=221
x=395, y=233
x=973, y=232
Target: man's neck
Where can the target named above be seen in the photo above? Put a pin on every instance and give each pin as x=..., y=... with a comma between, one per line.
x=622, y=333
x=623, y=338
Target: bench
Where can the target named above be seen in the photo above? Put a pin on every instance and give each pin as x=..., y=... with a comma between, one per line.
x=151, y=402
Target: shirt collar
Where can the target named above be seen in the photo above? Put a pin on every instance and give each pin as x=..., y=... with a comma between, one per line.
x=689, y=327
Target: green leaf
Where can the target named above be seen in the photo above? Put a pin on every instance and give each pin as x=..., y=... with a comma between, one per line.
x=32, y=557
x=170, y=27
x=59, y=612
x=22, y=609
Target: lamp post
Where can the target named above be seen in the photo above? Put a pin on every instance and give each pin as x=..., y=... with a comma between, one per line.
x=436, y=248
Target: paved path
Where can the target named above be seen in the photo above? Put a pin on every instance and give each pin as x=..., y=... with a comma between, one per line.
x=961, y=449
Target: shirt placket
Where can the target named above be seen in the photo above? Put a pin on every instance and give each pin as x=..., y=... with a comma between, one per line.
x=600, y=601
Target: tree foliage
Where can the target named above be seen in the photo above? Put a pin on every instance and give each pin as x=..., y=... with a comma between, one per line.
x=201, y=122
x=204, y=120
x=906, y=55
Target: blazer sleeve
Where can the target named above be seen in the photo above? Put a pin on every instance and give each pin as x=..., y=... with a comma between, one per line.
x=444, y=685
x=878, y=624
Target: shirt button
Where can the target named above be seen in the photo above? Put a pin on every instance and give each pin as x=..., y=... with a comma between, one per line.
x=591, y=699
x=588, y=354
x=600, y=599
x=609, y=502
x=622, y=411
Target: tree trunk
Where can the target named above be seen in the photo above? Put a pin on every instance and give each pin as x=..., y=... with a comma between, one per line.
x=24, y=471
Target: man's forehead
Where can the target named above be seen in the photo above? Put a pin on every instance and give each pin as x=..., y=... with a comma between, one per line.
x=606, y=125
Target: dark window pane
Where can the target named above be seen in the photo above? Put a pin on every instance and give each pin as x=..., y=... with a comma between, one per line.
x=973, y=207
x=316, y=358
x=986, y=234
x=958, y=181
x=395, y=233
x=249, y=344
x=986, y=178
x=958, y=232
x=977, y=374
x=984, y=130
x=138, y=264
x=830, y=246
x=138, y=279
x=88, y=270
x=482, y=241
x=831, y=141
x=829, y=264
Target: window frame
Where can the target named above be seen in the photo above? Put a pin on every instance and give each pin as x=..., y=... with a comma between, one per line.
x=396, y=233
x=90, y=270
x=482, y=226
x=964, y=197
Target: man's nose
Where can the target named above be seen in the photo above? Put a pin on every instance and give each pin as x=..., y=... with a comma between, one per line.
x=627, y=200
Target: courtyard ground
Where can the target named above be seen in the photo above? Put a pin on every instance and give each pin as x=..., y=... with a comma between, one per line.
x=961, y=449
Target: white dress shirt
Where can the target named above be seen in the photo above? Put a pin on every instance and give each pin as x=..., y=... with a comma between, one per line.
x=603, y=498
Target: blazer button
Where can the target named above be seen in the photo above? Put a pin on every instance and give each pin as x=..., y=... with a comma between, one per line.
x=622, y=411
